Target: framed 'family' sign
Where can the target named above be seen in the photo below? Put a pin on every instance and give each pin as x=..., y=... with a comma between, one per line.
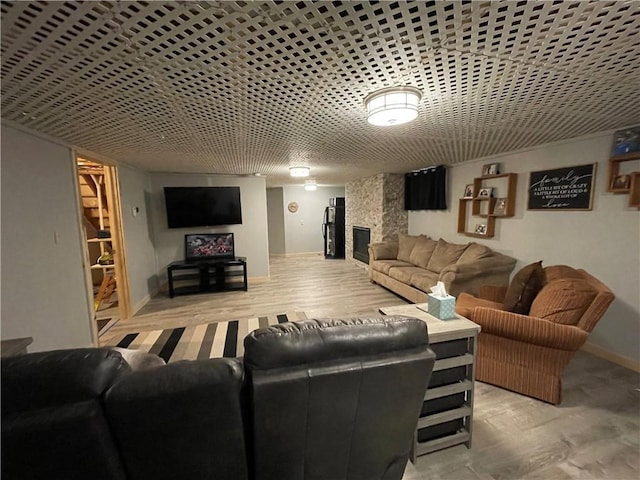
x=569, y=188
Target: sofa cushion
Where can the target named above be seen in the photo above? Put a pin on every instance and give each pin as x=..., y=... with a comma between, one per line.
x=404, y=274
x=523, y=288
x=405, y=246
x=383, y=250
x=445, y=254
x=563, y=301
x=422, y=251
x=424, y=280
x=139, y=359
x=474, y=252
x=384, y=265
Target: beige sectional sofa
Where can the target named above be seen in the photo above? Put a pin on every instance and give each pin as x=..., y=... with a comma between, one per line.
x=413, y=264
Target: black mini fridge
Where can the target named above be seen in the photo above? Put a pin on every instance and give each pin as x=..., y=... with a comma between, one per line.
x=333, y=228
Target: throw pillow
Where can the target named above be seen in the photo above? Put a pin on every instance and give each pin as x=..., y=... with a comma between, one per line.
x=474, y=252
x=563, y=301
x=422, y=251
x=445, y=254
x=405, y=246
x=523, y=288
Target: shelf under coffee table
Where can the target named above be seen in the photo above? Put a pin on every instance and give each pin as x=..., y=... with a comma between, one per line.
x=446, y=418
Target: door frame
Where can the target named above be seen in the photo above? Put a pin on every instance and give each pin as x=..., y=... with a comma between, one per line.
x=112, y=187
x=115, y=220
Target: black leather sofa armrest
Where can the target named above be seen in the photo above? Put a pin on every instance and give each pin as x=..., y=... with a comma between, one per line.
x=49, y=379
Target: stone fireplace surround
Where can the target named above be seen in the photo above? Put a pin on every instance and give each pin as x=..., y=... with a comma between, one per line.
x=376, y=203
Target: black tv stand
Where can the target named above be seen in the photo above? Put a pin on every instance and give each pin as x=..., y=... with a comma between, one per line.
x=207, y=276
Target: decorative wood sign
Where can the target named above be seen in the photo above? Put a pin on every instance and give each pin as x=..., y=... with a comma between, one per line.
x=569, y=188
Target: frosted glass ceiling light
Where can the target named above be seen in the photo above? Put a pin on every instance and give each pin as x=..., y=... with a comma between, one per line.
x=299, y=171
x=310, y=185
x=392, y=106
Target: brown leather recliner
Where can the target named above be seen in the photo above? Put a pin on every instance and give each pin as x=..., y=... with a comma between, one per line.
x=528, y=353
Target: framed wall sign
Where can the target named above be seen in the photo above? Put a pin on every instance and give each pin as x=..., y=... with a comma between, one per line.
x=569, y=188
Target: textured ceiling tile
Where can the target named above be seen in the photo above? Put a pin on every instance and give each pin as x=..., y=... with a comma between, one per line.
x=239, y=87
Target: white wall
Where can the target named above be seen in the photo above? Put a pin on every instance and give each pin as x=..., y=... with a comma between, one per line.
x=251, y=237
x=303, y=229
x=135, y=192
x=604, y=241
x=43, y=288
x=275, y=220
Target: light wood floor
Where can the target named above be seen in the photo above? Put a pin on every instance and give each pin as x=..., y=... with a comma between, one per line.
x=309, y=283
x=593, y=434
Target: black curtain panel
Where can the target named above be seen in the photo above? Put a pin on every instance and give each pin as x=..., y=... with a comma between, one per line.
x=426, y=189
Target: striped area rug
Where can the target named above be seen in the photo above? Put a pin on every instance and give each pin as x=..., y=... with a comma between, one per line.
x=208, y=340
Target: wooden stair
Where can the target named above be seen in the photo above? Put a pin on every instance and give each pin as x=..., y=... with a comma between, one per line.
x=91, y=185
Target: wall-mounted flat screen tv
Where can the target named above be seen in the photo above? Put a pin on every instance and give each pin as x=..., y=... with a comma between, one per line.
x=202, y=206
x=208, y=246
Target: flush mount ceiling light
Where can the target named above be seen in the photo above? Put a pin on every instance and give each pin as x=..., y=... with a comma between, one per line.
x=299, y=171
x=392, y=106
x=310, y=185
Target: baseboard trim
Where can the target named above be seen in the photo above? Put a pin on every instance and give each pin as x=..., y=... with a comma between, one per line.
x=252, y=280
x=303, y=254
x=621, y=360
x=138, y=306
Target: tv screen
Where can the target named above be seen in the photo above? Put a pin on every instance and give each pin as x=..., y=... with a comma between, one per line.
x=207, y=246
x=202, y=206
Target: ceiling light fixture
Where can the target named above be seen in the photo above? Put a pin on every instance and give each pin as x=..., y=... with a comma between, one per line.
x=392, y=106
x=299, y=171
x=310, y=185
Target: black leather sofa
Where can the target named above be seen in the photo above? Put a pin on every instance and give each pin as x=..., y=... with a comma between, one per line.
x=318, y=399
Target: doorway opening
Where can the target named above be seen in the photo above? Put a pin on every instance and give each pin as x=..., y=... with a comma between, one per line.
x=104, y=253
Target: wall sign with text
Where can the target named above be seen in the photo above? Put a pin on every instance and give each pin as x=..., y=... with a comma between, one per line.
x=569, y=188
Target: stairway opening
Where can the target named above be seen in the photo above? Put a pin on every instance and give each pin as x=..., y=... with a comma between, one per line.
x=104, y=255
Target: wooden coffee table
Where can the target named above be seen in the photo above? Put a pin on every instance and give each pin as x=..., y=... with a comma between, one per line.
x=447, y=413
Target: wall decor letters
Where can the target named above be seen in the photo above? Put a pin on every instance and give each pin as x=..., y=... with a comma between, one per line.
x=569, y=188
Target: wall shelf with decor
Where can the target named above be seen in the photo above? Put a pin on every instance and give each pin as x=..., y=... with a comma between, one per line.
x=620, y=183
x=487, y=206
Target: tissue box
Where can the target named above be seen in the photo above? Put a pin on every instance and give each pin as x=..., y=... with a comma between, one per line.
x=443, y=308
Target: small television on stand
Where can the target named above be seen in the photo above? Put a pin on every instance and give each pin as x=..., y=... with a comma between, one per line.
x=200, y=247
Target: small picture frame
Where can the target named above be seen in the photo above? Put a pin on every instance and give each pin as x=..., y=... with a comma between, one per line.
x=468, y=191
x=500, y=208
x=485, y=192
x=491, y=169
x=481, y=229
x=621, y=182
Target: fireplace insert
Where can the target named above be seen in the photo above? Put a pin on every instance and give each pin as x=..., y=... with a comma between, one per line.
x=361, y=239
